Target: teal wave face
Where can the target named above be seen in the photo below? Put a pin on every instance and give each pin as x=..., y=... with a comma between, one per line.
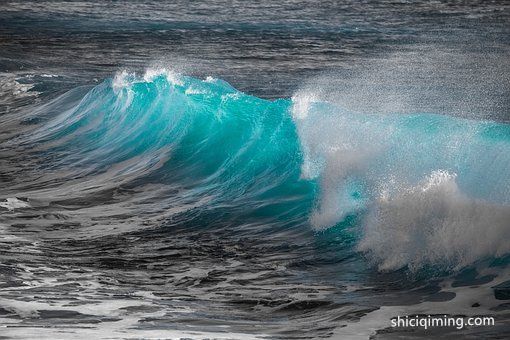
x=420, y=187
x=231, y=148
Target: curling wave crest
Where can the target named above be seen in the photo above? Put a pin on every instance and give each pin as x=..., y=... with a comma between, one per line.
x=425, y=189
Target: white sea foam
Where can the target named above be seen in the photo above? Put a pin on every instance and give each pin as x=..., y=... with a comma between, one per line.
x=301, y=103
x=125, y=79
x=171, y=76
x=434, y=222
x=121, y=80
x=432, y=190
x=10, y=85
x=12, y=203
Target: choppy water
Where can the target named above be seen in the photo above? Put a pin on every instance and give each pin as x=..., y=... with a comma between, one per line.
x=234, y=170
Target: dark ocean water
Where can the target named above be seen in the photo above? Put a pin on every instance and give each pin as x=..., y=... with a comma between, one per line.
x=231, y=169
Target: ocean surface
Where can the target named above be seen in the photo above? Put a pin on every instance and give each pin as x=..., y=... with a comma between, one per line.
x=253, y=170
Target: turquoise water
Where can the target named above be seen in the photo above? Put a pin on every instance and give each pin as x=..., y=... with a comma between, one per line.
x=185, y=188
x=421, y=186
x=232, y=170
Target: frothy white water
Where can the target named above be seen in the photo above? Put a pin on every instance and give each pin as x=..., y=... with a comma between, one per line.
x=10, y=85
x=434, y=222
x=125, y=79
x=432, y=189
x=12, y=203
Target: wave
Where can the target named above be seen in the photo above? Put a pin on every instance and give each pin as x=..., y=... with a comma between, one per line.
x=427, y=185
x=423, y=186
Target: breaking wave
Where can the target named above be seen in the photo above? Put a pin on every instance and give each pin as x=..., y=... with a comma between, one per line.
x=425, y=189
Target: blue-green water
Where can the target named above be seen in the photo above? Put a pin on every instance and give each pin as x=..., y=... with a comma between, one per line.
x=267, y=171
x=414, y=181
x=167, y=155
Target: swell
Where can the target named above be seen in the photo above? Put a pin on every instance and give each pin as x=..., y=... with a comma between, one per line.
x=171, y=129
x=423, y=187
